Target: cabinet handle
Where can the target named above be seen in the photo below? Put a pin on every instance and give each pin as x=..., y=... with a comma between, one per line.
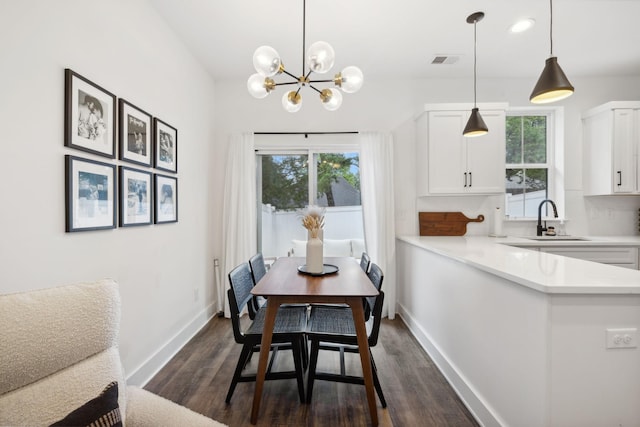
x=619, y=178
x=465, y=179
x=470, y=179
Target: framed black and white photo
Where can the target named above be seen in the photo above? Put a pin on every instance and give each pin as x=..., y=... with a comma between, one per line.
x=165, y=144
x=135, y=197
x=90, y=196
x=135, y=134
x=166, y=199
x=89, y=116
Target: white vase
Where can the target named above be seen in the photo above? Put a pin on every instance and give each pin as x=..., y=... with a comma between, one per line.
x=314, y=255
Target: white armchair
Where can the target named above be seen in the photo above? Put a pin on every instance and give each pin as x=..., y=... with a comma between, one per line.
x=59, y=351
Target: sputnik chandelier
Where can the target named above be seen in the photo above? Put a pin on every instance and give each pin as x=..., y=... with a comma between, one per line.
x=319, y=58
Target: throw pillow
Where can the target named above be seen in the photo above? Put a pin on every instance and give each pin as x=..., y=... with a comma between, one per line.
x=101, y=411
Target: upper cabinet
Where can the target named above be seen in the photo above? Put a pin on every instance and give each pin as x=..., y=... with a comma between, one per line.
x=611, y=141
x=451, y=164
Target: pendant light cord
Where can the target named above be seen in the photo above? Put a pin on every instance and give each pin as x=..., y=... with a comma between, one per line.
x=551, y=25
x=475, y=61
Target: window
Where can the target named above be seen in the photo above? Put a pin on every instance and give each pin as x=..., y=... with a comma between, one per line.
x=288, y=181
x=530, y=174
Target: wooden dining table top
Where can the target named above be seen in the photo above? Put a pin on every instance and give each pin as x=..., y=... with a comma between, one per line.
x=284, y=279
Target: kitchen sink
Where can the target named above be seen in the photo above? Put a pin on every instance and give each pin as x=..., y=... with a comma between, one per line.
x=557, y=238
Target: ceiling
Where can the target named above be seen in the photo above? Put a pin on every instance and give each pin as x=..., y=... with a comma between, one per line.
x=399, y=39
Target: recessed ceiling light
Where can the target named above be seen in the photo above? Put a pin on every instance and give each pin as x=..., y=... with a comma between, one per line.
x=522, y=25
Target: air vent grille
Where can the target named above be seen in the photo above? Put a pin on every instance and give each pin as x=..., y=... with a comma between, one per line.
x=445, y=59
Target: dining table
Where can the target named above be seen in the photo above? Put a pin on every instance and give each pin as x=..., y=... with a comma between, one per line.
x=343, y=281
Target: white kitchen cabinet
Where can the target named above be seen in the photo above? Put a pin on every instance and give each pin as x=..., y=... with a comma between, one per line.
x=619, y=256
x=611, y=141
x=451, y=164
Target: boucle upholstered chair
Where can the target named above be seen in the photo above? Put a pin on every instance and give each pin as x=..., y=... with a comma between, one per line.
x=59, y=350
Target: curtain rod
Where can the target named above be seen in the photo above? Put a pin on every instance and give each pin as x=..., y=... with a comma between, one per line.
x=306, y=134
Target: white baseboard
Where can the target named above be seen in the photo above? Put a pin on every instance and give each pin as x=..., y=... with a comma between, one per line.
x=483, y=414
x=143, y=374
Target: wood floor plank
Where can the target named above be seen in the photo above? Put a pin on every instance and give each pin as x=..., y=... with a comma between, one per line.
x=416, y=392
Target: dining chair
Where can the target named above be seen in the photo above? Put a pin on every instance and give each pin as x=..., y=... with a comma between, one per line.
x=289, y=328
x=258, y=270
x=365, y=262
x=331, y=328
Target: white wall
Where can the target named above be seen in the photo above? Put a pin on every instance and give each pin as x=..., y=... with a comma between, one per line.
x=391, y=106
x=165, y=271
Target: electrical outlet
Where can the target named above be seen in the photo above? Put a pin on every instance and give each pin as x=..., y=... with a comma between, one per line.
x=622, y=338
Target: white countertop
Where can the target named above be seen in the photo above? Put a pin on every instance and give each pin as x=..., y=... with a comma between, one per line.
x=541, y=271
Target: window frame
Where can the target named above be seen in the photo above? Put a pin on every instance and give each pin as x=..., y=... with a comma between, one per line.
x=299, y=144
x=555, y=155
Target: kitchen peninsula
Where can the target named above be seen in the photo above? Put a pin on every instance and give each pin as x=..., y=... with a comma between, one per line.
x=521, y=334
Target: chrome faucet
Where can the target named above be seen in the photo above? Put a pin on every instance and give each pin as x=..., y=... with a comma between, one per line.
x=555, y=215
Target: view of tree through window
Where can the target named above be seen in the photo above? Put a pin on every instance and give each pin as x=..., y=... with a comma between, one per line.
x=527, y=180
x=285, y=181
x=338, y=179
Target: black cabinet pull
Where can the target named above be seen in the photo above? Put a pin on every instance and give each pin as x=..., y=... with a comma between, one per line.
x=465, y=179
x=470, y=179
x=619, y=178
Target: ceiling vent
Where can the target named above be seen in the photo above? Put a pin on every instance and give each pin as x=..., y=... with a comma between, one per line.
x=445, y=59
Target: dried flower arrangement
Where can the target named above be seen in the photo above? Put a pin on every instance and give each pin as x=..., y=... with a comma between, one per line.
x=313, y=219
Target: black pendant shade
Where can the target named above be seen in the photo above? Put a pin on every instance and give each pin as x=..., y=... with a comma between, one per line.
x=475, y=126
x=553, y=84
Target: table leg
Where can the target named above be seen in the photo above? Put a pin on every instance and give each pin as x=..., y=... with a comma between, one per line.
x=265, y=345
x=363, y=347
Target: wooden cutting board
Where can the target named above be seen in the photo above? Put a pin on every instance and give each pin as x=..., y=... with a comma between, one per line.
x=445, y=223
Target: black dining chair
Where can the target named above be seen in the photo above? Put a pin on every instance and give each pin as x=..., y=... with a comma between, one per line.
x=331, y=328
x=258, y=270
x=365, y=262
x=288, y=333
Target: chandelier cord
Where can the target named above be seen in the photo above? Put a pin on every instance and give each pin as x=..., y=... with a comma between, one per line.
x=304, y=33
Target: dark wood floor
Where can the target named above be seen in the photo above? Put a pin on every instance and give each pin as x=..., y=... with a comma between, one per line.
x=417, y=394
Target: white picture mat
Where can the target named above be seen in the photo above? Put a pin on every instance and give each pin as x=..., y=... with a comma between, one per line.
x=104, y=143
x=91, y=210
x=136, y=197
x=130, y=113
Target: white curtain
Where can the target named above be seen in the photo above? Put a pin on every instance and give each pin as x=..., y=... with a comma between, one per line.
x=239, y=209
x=376, y=187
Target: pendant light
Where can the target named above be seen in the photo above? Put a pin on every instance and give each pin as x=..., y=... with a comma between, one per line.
x=475, y=126
x=553, y=85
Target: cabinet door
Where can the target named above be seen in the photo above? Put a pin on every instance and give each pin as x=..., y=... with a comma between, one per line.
x=618, y=256
x=624, y=161
x=486, y=156
x=446, y=152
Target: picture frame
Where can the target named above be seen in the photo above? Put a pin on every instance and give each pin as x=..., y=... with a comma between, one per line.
x=165, y=144
x=135, y=189
x=165, y=199
x=89, y=116
x=135, y=134
x=90, y=194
